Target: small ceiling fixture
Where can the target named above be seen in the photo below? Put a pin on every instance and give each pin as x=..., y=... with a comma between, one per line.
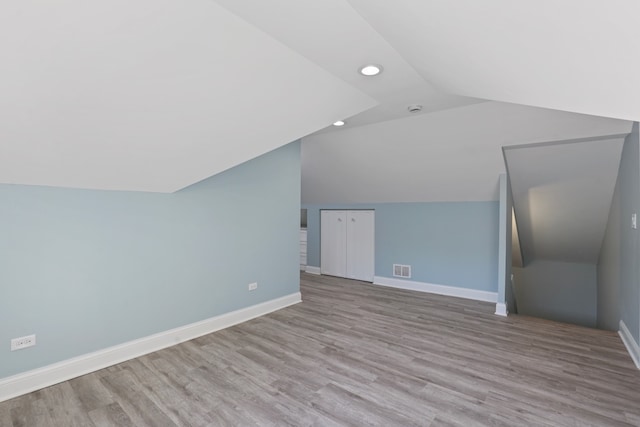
x=339, y=123
x=415, y=108
x=371, y=70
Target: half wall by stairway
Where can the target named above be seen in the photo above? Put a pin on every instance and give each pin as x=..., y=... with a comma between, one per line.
x=562, y=192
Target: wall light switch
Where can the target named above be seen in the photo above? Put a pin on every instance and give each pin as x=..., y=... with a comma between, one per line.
x=634, y=221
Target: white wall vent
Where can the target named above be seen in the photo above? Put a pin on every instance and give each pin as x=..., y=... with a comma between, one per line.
x=400, y=270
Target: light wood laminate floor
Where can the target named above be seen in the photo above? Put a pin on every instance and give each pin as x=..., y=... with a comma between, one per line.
x=357, y=354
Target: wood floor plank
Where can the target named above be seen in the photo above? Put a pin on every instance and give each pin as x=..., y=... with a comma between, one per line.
x=180, y=407
x=29, y=410
x=357, y=354
x=91, y=392
x=65, y=406
x=110, y=415
x=132, y=397
x=5, y=416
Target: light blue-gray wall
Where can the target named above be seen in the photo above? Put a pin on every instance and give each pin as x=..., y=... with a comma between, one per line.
x=630, y=252
x=85, y=270
x=505, y=291
x=454, y=244
x=562, y=291
x=608, y=268
x=619, y=263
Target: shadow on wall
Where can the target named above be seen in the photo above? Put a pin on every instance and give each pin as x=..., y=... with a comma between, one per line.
x=618, y=273
x=562, y=291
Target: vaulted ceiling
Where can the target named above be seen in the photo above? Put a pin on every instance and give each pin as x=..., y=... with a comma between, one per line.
x=156, y=95
x=446, y=156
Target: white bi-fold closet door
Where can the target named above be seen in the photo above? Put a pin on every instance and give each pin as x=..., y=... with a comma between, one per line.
x=347, y=244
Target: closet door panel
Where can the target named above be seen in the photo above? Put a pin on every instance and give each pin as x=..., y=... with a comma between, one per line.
x=333, y=243
x=360, y=245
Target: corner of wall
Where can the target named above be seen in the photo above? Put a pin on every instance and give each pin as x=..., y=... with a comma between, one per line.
x=630, y=343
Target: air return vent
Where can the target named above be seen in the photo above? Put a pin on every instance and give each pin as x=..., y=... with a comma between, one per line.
x=400, y=270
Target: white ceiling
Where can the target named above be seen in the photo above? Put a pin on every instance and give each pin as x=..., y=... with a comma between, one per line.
x=149, y=95
x=451, y=155
x=156, y=95
x=335, y=36
x=562, y=195
x=571, y=55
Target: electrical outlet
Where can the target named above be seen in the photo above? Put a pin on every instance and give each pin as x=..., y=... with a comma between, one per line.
x=634, y=221
x=253, y=286
x=23, y=342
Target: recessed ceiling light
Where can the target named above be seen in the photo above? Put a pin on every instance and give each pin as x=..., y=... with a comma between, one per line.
x=415, y=108
x=371, y=70
x=339, y=123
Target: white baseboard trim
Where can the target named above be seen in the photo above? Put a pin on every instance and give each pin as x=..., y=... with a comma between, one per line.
x=36, y=379
x=501, y=309
x=312, y=270
x=451, y=291
x=630, y=343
